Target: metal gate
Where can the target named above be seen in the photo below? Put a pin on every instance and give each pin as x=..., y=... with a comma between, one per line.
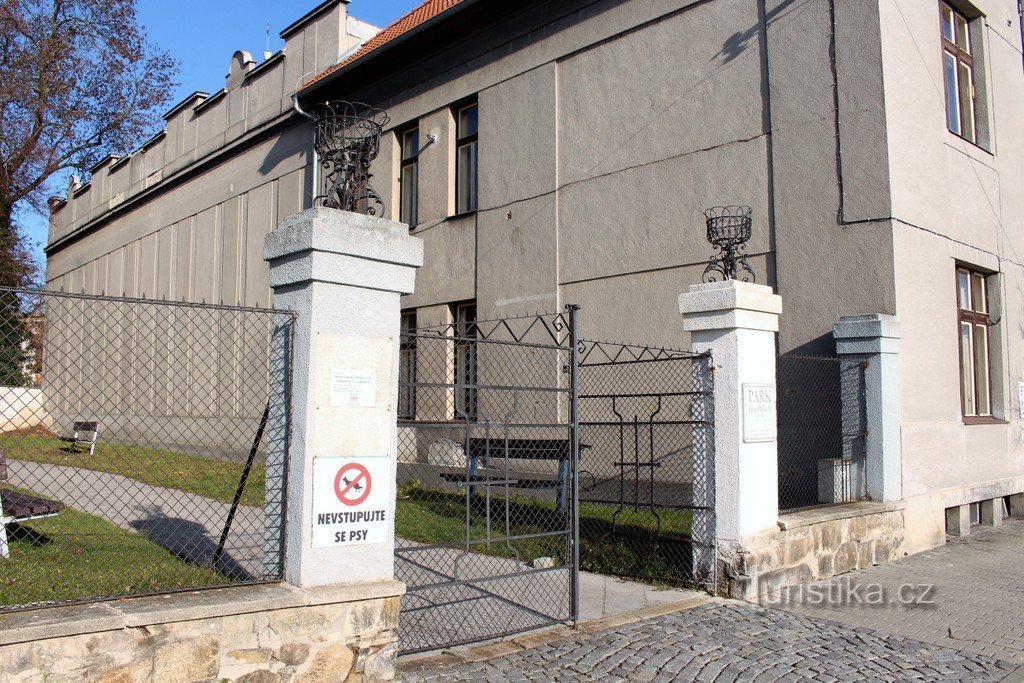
x=487, y=450
x=526, y=454
x=646, y=463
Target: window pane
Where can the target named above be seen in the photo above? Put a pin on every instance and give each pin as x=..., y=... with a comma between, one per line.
x=978, y=293
x=407, y=366
x=410, y=193
x=963, y=289
x=947, y=22
x=467, y=199
x=465, y=361
x=410, y=143
x=962, y=41
x=967, y=367
x=468, y=121
x=981, y=369
x=952, y=94
x=965, y=82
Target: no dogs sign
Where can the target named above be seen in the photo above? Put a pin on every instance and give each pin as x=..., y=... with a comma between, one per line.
x=350, y=500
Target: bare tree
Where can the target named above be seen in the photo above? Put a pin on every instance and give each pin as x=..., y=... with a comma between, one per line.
x=78, y=80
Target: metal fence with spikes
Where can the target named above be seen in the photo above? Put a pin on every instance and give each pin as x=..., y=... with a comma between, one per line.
x=134, y=444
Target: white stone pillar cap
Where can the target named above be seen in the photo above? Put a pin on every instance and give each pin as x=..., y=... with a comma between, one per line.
x=730, y=305
x=870, y=333
x=341, y=247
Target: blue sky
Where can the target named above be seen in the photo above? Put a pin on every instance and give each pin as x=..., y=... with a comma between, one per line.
x=203, y=34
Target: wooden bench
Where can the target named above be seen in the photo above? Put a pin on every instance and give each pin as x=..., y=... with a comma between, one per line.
x=519, y=449
x=17, y=507
x=83, y=433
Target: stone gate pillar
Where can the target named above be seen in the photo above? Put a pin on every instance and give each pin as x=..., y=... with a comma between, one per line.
x=875, y=338
x=344, y=274
x=737, y=322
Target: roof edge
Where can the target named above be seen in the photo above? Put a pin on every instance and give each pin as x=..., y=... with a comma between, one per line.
x=400, y=39
x=310, y=16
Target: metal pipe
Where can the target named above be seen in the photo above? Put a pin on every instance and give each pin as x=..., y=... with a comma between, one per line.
x=316, y=157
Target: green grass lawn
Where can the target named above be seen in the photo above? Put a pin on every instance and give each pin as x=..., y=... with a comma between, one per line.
x=74, y=555
x=203, y=476
x=630, y=548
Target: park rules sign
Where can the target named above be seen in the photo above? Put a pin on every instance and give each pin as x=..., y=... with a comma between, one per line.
x=350, y=500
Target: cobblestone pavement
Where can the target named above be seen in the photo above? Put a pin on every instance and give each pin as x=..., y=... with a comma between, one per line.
x=977, y=600
x=727, y=641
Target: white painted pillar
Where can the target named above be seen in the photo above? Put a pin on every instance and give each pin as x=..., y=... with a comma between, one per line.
x=875, y=338
x=737, y=322
x=344, y=274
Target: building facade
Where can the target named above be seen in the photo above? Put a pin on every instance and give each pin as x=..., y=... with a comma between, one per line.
x=553, y=152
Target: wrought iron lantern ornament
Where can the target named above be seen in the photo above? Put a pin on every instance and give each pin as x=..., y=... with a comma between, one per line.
x=347, y=139
x=729, y=229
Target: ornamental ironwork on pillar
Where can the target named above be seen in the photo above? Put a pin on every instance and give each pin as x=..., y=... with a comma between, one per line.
x=347, y=140
x=729, y=230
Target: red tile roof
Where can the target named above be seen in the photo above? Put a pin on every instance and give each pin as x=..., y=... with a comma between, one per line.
x=428, y=10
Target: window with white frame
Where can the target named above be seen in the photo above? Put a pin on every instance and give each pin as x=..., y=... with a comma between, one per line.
x=973, y=318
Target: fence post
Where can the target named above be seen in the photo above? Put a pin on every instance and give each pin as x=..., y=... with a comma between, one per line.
x=875, y=338
x=344, y=274
x=737, y=322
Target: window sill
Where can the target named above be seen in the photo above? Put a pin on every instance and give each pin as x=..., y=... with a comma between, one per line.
x=463, y=214
x=983, y=420
x=972, y=149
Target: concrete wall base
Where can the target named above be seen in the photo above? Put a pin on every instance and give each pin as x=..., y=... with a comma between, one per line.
x=811, y=545
x=255, y=634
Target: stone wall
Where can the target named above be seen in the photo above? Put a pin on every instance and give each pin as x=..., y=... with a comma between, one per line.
x=257, y=634
x=810, y=545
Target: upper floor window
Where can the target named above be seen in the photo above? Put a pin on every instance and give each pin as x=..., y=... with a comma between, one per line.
x=958, y=73
x=973, y=316
x=410, y=177
x=466, y=159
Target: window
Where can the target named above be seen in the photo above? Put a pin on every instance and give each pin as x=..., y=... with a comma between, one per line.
x=465, y=361
x=407, y=366
x=973, y=315
x=958, y=73
x=410, y=178
x=466, y=159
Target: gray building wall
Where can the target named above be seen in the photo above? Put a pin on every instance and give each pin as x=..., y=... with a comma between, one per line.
x=606, y=128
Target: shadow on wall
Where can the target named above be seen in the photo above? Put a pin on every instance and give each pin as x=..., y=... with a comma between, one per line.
x=738, y=43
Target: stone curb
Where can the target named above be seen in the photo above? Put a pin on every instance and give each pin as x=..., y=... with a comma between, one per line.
x=479, y=653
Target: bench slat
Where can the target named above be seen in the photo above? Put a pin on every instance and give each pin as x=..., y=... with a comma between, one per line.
x=18, y=505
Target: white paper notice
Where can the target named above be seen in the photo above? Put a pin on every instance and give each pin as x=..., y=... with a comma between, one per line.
x=353, y=387
x=759, y=413
x=1020, y=396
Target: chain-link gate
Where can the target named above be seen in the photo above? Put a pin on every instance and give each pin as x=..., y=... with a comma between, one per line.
x=485, y=533
x=526, y=454
x=133, y=445
x=646, y=463
x=822, y=428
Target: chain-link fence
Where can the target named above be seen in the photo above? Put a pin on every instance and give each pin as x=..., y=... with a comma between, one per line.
x=484, y=521
x=821, y=430
x=646, y=463
x=133, y=445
